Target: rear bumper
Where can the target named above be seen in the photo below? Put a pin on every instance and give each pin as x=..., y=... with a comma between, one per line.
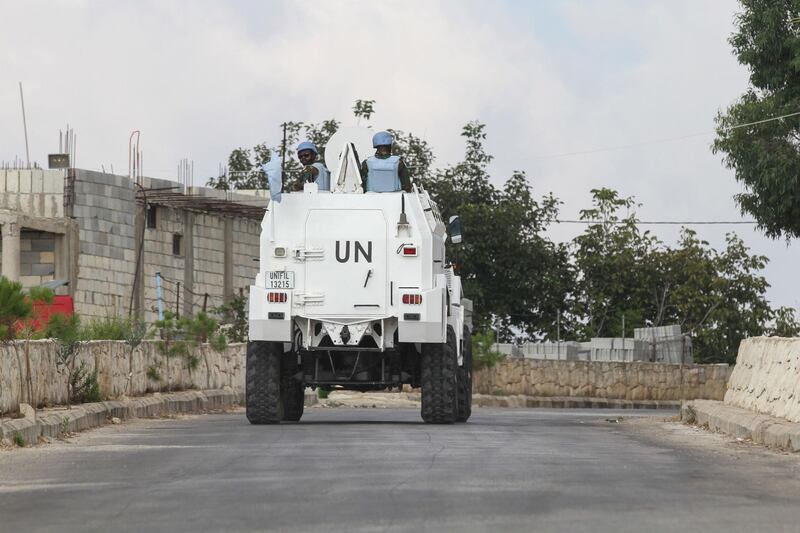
x=423, y=323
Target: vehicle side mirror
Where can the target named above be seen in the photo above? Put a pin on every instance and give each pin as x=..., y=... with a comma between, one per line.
x=454, y=229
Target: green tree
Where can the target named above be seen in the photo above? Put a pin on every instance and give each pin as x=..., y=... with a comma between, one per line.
x=16, y=318
x=416, y=153
x=518, y=279
x=233, y=316
x=363, y=109
x=611, y=258
x=245, y=164
x=786, y=323
x=716, y=297
x=66, y=332
x=14, y=307
x=765, y=155
x=172, y=343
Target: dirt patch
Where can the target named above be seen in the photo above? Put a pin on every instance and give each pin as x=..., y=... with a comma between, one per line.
x=692, y=439
x=370, y=400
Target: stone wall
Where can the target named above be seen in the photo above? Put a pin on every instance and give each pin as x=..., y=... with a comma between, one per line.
x=603, y=379
x=120, y=371
x=766, y=378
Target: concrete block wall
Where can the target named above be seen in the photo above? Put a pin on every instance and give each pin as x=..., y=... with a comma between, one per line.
x=158, y=257
x=104, y=206
x=600, y=379
x=665, y=344
x=766, y=378
x=616, y=349
x=660, y=332
x=211, y=236
x=559, y=351
x=209, y=260
x=246, y=245
x=35, y=192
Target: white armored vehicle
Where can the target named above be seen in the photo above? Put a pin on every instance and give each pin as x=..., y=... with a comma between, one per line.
x=354, y=291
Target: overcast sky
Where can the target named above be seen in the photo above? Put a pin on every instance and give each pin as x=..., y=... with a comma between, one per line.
x=547, y=77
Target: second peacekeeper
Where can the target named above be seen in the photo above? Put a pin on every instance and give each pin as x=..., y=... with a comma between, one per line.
x=384, y=172
x=313, y=170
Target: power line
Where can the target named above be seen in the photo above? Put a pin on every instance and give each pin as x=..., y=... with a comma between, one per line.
x=660, y=222
x=665, y=139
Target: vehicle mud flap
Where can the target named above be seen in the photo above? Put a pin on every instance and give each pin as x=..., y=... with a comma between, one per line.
x=439, y=381
x=292, y=391
x=263, y=382
x=465, y=380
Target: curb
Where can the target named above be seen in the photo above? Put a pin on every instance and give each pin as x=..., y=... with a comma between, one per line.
x=54, y=424
x=563, y=402
x=743, y=424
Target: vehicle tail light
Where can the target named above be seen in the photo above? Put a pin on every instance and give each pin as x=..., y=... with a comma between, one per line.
x=410, y=250
x=412, y=299
x=277, y=297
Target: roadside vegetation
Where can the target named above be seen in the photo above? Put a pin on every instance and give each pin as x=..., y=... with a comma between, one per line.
x=175, y=337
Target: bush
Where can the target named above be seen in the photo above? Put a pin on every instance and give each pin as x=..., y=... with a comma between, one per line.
x=233, y=316
x=153, y=374
x=84, y=385
x=482, y=354
x=110, y=328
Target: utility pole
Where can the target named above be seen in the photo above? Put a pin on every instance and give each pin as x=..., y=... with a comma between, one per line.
x=558, y=334
x=24, y=126
x=558, y=325
x=283, y=152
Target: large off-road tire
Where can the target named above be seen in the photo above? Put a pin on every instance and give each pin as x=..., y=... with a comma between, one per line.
x=439, y=381
x=465, y=379
x=292, y=391
x=263, y=382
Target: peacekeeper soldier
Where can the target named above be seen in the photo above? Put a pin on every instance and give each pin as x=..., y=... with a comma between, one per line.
x=313, y=170
x=384, y=172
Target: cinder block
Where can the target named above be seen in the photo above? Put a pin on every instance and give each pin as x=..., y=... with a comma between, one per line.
x=12, y=181
x=53, y=182
x=30, y=281
x=37, y=181
x=42, y=269
x=46, y=244
x=25, y=177
x=117, y=253
x=29, y=257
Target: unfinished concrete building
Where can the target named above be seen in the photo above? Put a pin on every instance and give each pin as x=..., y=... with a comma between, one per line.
x=107, y=236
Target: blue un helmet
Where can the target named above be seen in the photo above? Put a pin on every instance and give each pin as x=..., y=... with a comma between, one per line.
x=382, y=138
x=307, y=145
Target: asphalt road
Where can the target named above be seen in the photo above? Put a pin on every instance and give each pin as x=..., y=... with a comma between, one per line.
x=374, y=469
